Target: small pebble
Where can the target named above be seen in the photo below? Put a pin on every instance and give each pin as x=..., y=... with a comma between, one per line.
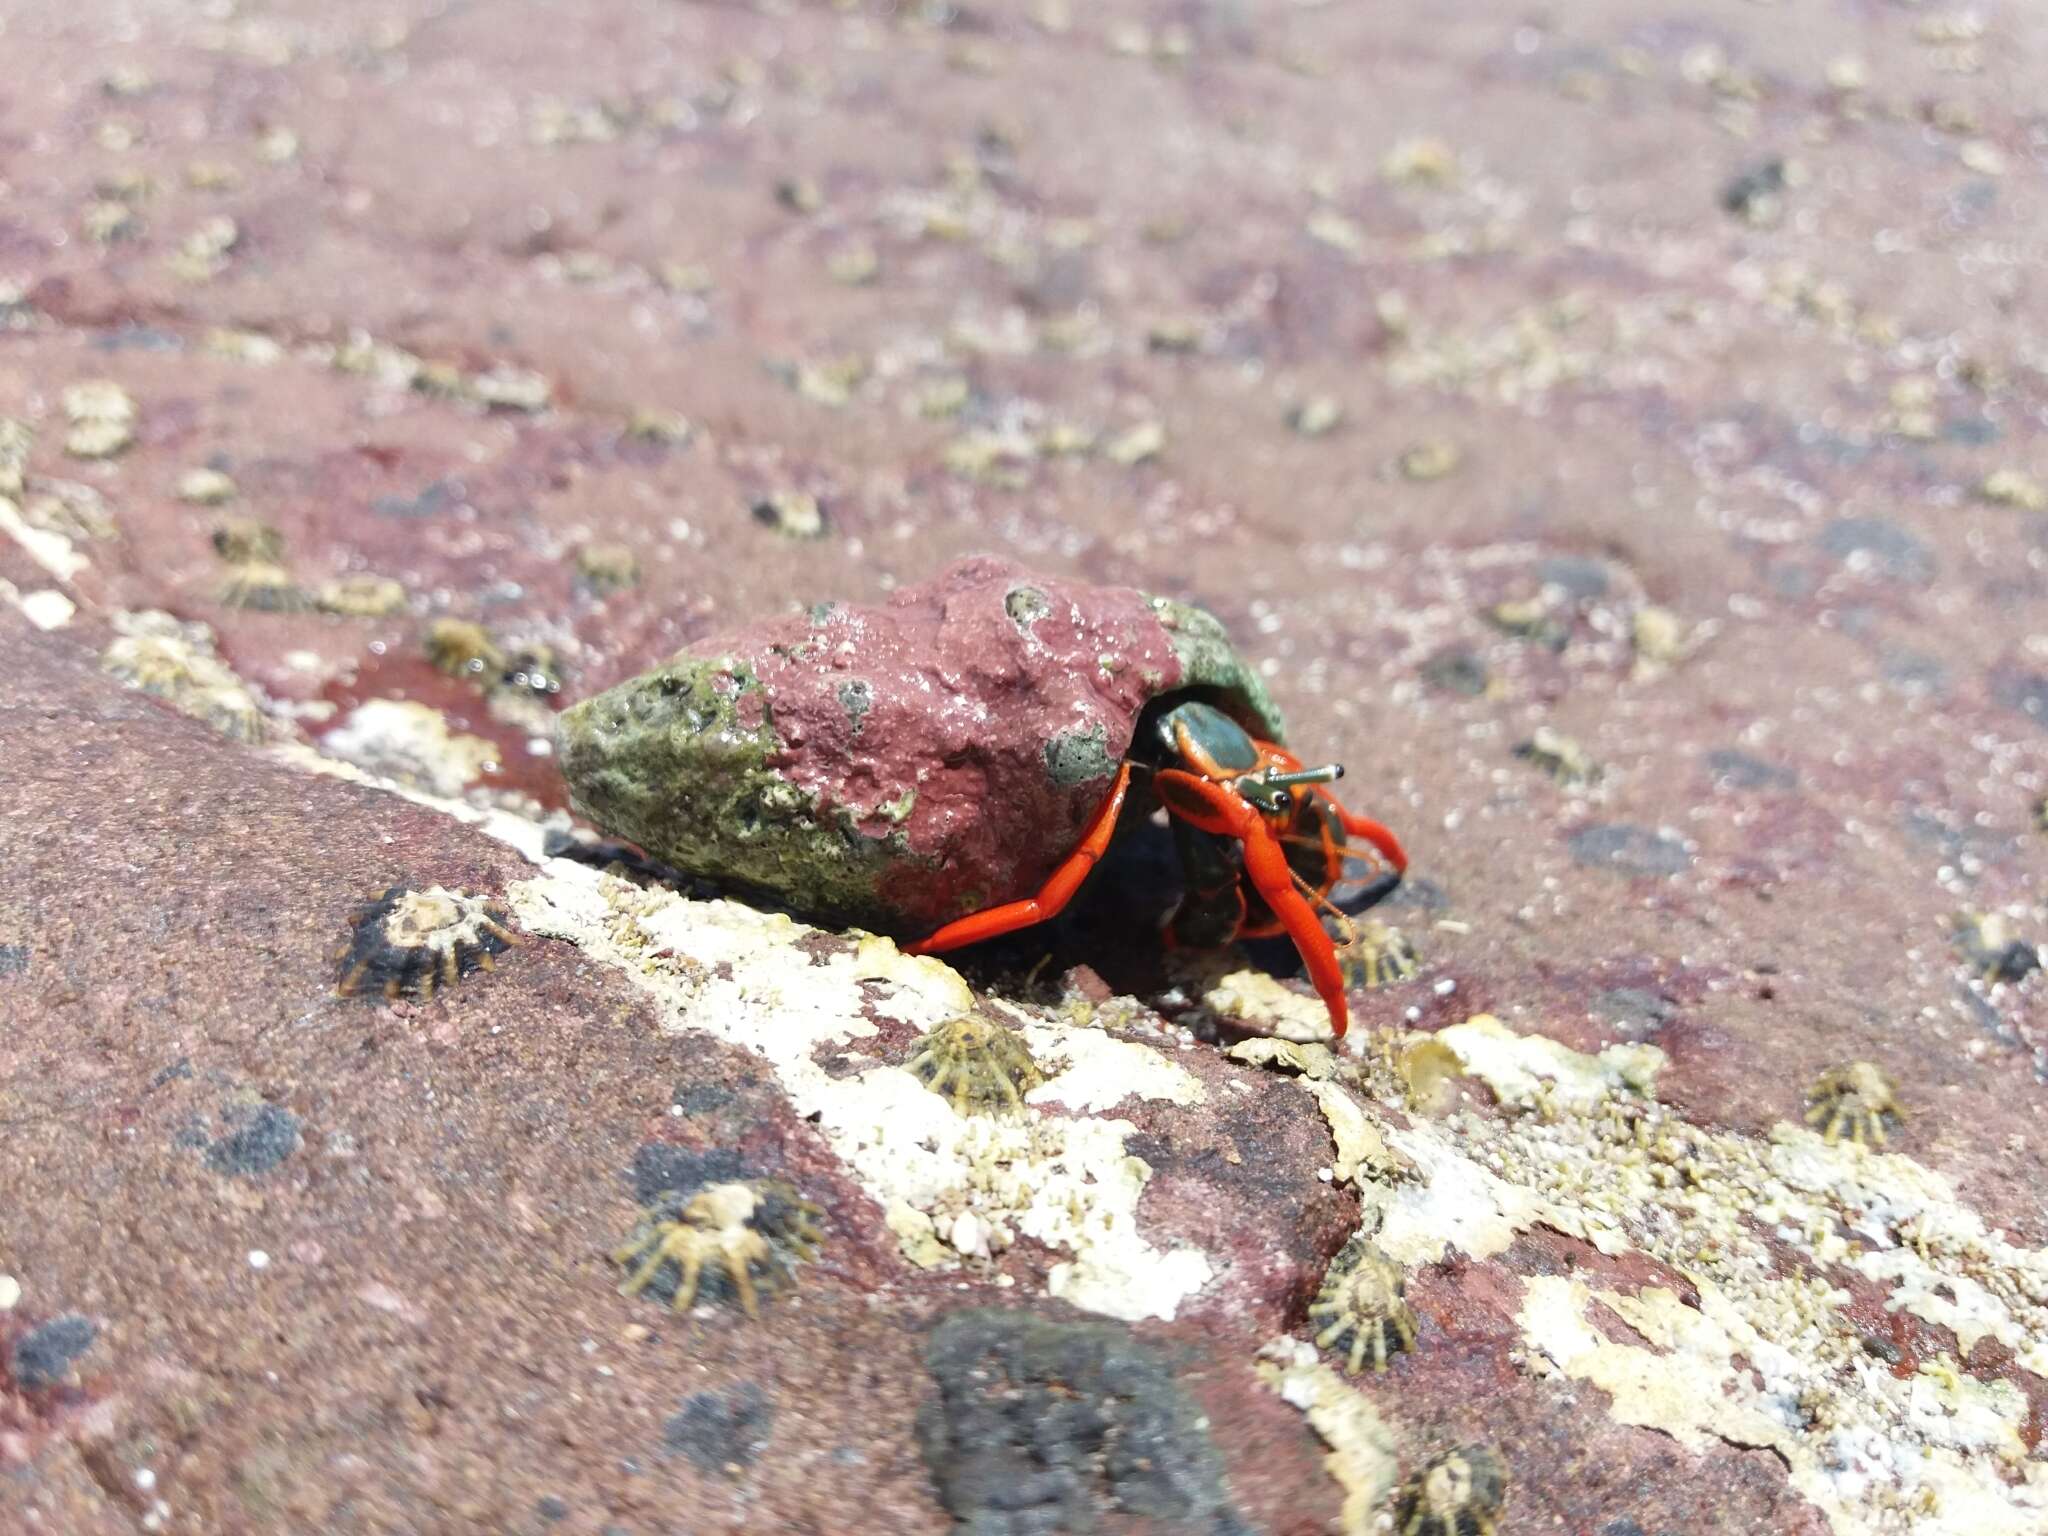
x=205, y=487
x=1430, y=460
x=1316, y=416
x=10, y=1292
x=1136, y=446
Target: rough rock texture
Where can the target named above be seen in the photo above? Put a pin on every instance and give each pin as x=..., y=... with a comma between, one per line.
x=1668, y=376
x=900, y=766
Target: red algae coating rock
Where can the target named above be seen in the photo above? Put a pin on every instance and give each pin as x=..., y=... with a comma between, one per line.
x=900, y=766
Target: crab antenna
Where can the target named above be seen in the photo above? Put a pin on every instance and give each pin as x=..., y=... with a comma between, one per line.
x=1329, y=773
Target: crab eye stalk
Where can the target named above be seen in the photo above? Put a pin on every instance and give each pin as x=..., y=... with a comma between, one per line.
x=1329, y=773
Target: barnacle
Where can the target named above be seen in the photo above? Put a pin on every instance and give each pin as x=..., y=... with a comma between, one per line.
x=178, y=664
x=1659, y=638
x=725, y=1240
x=1430, y=460
x=204, y=487
x=603, y=568
x=1530, y=619
x=98, y=439
x=1559, y=756
x=1456, y=1494
x=793, y=514
x=16, y=439
x=649, y=425
x=97, y=400
x=1377, y=956
x=1858, y=1098
x=1361, y=1301
x=361, y=596
x=976, y=1064
x=414, y=941
x=64, y=506
x=1316, y=416
x=462, y=649
x=266, y=588
x=531, y=669
x=246, y=541
x=1993, y=950
x=511, y=389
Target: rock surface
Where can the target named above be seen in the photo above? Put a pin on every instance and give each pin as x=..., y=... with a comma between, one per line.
x=374, y=382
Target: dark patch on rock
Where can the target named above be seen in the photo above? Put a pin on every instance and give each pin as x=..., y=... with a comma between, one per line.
x=42, y=1357
x=1456, y=671
x=1987, y=1018
x=138, y=338
x=1738, y=770
x=261, y=1138
x=431, y=502
x=178, y=1071
x=856, y=697
x=660, y=1166
x=1038, y=1426
x=1754, y=193
x=13, y=959
x=721, y=1432
x=1897, y=554
x=1636, y=1009
x=552, y=1509
x=700, y=1099
x=2026, y=692
x=1914, y=671
x=1578, y=578
x=1628, y=850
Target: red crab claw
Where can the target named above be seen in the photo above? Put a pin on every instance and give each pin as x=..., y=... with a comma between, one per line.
x=1217, y=809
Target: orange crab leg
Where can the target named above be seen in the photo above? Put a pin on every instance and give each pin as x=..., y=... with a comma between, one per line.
x=1053, y=895
x=1217, y=809
x=1365, y=827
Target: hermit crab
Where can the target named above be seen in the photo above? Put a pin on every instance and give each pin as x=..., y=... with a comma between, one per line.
x=951, y=766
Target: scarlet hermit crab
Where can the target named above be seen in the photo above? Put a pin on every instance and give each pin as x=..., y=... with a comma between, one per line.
x=951, y=766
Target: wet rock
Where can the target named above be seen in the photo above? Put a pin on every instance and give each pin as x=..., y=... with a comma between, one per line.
x=1037, y=1427
x=1628, y=850
x=721, y=1432
x=263, y=1137
x=43, y=1356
